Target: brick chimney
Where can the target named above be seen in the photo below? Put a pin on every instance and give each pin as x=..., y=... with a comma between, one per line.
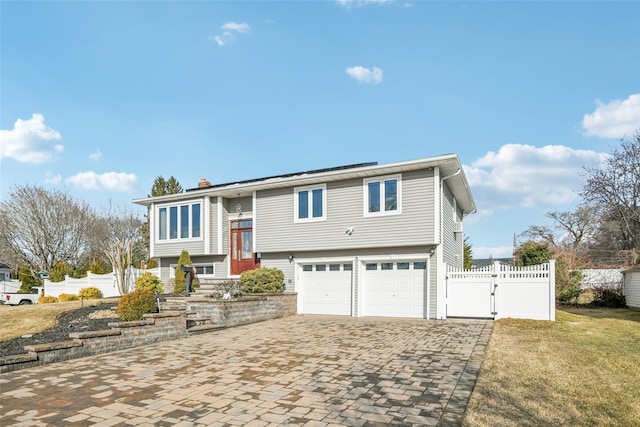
x=204, y=183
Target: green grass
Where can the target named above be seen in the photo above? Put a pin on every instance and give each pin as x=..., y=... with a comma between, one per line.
x=582, y=370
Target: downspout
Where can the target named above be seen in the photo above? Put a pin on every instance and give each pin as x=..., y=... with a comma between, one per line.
x=441, y=287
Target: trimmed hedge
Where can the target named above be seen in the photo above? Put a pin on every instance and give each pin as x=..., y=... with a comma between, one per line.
x=262, y=280
x=134, y=305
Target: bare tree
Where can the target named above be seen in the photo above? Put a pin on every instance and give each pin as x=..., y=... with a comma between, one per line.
x=615, y=187
x=39, y=228
x=123, y=244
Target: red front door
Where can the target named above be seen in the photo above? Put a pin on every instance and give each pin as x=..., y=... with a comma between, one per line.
x=242, y=256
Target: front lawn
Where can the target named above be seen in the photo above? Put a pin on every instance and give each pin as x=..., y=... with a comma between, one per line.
x=19, y=320
x=582, y=370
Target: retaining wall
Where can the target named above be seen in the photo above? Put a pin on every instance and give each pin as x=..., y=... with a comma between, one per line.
x=167, y=325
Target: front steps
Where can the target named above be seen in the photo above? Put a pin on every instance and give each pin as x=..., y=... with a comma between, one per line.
x=195, y=324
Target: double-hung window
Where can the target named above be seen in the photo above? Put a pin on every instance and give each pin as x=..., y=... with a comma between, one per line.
x=181, y=221
x=310, y=203
x=382, y=195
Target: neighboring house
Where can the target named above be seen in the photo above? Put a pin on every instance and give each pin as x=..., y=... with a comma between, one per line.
x=631, y=287
x=359, y=240
x=5, y=272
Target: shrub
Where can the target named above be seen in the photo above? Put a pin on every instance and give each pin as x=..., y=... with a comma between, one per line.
x=59, y=271
x=151, y=263
x=96, y=267
x=568, y=293
x=90, y=293
x=262, y=280
x=180, y=280
x=151, y=282
x=47, y=300
x=27, y=280
x=608, y=297
x=68, y=297
x=134, y=305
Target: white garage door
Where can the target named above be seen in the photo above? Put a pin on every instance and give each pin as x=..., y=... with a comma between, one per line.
x=325, y=289
x=394, y=289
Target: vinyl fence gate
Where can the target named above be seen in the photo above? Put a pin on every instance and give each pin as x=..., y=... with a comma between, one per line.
x=499, y=291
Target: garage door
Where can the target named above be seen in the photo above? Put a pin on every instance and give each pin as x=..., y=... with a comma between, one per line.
x=394, y=289
x=325, y=289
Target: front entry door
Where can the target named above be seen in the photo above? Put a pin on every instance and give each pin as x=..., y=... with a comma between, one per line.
x=242, y=256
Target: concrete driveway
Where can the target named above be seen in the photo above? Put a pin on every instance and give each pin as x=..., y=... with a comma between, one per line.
x=299, y=371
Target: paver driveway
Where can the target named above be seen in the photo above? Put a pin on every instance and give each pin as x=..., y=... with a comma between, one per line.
x=301, y=370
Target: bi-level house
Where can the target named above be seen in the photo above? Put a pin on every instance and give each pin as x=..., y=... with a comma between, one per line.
x=359, y=240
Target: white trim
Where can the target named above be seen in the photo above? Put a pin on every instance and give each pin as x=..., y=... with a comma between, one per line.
x=206, y=224
x=219, y=225
x=428, y=287
x=436, y=205
x=152, y=230
x=253, y=236
x=241, y=217
x=309, y=189
x=178, y=206
x=381, y=180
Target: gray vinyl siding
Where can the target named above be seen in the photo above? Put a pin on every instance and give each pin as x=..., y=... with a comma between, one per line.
x=281, y=262
x=277, y=231
x=174, y=247
x=453, y=249
x=213, y=226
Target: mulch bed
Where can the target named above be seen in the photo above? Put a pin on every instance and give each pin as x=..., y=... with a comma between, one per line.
x=71, y=321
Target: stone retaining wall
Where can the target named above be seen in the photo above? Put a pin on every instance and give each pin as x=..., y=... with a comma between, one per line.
x=248, y=309
x=167, y=325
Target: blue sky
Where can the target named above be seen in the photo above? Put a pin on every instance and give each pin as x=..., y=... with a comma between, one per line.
x=100, y=98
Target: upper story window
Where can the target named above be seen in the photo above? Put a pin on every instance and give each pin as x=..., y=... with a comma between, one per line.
x=180, y=222
x=310, y=203
x=382, y=195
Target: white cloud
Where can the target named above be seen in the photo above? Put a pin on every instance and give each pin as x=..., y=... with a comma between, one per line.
x=365, y=75
x=234, y=26
x=524, y=176
x=616, y=119
x=112, y=181
x=30, y=141
x=96, y=155
x=229, y=30
x=50, y=178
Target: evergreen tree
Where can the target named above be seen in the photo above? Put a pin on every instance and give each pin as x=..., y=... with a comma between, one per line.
x=180, y=280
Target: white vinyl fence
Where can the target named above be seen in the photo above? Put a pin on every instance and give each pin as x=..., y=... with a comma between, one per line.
x=499, y=291
x=105, y=282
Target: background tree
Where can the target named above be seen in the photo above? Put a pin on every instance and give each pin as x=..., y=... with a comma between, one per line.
x=614, y=187
x=468, y=255
x=532, y=253
x=40, y=228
